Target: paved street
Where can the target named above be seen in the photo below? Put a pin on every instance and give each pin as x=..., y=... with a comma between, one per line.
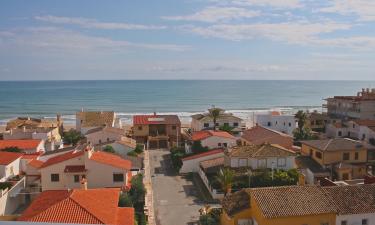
x=175, y=201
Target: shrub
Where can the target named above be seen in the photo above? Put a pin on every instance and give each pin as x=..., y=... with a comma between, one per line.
x=132, y=153
x=198, y=148
x=109, y=149
x=72, y=137
x=5, y=185
x=176, y=157
x=125, y=200
x=139, y=149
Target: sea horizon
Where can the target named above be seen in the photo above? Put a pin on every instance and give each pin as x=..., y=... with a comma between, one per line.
x=44, y=99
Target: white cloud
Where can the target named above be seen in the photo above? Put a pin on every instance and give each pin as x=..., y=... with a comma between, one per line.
x=290, y=32
x=53, y=39
x=92, y=23
x=216, y=14
x=364, y=9
x=264, y=3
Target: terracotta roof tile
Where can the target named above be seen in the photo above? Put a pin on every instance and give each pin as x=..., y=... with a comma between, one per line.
x=94, y=206
x=212, y=163
x=111, y=159
x=36, y=163
x=264, y=150
x=258, y=135
x=335, y=144
x=200, y=135
x=62, y=157
x=8, y=157
x=200, y=155
x=156, y=119
x=21, y=144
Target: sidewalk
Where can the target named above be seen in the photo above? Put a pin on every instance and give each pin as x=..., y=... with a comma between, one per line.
x=149, y=206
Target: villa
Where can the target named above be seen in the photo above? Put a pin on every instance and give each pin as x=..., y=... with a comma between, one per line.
x=157, y=131
x=214, y=139
x=87, y=120
x=357, y=129
x=277, y=121
x=203, y=121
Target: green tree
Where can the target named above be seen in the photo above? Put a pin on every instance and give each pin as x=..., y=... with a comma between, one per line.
x=226, y=128
x=72, y=137
x=214, y=113
x=197, y=147
x=132, y=153
x=109, y=149
x=226, y=177
x=138, y=148
x=301, y=117
x=302, y=132
x=12, y=149
x=125, y=200
x=176, y=157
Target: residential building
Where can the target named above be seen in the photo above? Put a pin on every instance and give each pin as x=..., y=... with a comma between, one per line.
x=50, y=135
x=317, y=121
x=157, y=131
x=191, y=163
x=263, y=156
x=27, y=146
x=346, y=158
x=277, y=121
x=87, y=120
x=9, y=165
x=214, y=139
x=99, y=169
x=361, y=106
x=312, y=171
x=357, y=129
x=32, y=123
x=203, y=121
x=104, y=134
x=79, y=206
x=296, y=205
x=259, y=135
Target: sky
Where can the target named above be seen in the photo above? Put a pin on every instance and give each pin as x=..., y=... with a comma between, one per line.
x=187, y=39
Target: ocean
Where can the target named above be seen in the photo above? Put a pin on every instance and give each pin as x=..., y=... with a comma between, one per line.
x=181, y=97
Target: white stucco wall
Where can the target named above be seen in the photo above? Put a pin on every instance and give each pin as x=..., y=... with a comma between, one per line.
x=197, y=125
x=213, y=142
x=102, y=136
x=193, y=164
x=101, y=175
x=12, y=169
x=282, y=123
x=257, y=163
x=356, y=219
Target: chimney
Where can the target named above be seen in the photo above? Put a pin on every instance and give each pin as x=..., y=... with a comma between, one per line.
x=88, y=152
x=84, y=184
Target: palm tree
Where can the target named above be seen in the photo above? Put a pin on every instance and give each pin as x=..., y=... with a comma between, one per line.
x=214, y=113
x=225, y=177
x=302, y=117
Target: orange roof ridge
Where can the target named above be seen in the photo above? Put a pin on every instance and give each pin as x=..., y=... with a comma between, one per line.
x=83, y=208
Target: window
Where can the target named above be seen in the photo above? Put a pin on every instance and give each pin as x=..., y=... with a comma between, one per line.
x=107, y=139
x=281, y=162
x=235, y=124
x=364, y=222
x=276, y=122
x=311, y=152
x=353, y=125
x=345, y=156
x=225, y=144
x=76, y=178
x=219, y=144
x=206, y=125
x=349, y=134
x=318, y=155
x=173, y=127
x=290, y=124
x=339, y=133
x=55, y=177
x=344, y=222
x=217, y=124
x=139, y=127
x=118, y=177
x=269, y=124
x=356, y=156
x=363, y=136
x=100, y=141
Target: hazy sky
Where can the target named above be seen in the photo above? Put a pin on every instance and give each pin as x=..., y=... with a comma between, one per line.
x=187, y=39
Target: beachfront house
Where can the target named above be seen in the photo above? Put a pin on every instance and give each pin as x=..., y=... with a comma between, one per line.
x=361, y=106
x=104, y=134
x=265, y=156
x=32, y=123
x=98, y=169
x=344, y=157
x=214, y=139
x=203, y=121
x=87, y=120
x=356, y=129
x=157, y=131
x=78, y=206
x=277, y=121
x=259, y=135
x=27, y=146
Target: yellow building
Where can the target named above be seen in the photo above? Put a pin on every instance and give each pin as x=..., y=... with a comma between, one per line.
x=344, y=156
x=290, y=205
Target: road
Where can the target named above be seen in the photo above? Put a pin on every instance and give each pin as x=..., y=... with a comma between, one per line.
x=175, y=201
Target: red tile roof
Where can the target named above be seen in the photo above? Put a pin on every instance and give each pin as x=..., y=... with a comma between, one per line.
x=258, y=135
x=8, y=157
x=74, y=169
x=36, y=163
x=210, y=152
x=93, y=206
x=111, y=159
x=200, y=135
x=156, y=119
x=62, y=157
x=275, y=113
x=21, y=144
x=31, y=156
